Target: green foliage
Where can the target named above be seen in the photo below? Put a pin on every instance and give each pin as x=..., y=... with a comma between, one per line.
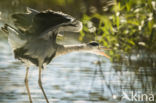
x=131, y=26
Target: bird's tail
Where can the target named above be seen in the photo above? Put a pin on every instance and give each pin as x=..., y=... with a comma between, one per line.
x=7, y=29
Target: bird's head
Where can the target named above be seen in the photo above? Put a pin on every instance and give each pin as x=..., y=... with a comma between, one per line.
x=93, y=45
x=95, y=48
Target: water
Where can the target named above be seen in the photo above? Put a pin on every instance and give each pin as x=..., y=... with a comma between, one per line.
x=71, y=79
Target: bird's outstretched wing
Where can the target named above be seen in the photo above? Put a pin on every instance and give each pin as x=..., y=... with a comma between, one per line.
x=36, y=23
x=49, y=19
x=23, y=21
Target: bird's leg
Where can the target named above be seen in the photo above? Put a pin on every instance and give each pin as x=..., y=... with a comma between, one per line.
x=26, y=84
x=40, y=83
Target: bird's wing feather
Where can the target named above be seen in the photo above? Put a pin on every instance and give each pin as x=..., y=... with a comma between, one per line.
x=15, y=37
x=24, y=20
x=45, y=20
x=40, y=23
x=32, y=11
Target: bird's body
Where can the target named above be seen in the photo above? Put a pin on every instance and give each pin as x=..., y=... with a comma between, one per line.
x=32, y=52
x=34, y=39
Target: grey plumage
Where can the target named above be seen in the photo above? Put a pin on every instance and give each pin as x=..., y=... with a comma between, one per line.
x=38, y=31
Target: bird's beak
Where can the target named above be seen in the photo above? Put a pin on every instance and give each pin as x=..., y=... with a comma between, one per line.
x=101, y=52
x=103, y=48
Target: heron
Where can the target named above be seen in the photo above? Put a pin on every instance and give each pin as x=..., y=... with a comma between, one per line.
x=33, y=39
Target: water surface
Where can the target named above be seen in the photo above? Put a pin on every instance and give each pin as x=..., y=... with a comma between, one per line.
x=75, y=78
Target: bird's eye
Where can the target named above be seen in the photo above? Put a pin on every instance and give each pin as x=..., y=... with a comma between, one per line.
x=93, y=43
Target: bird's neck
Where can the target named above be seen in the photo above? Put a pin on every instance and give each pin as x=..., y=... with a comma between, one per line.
x=64, y=49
